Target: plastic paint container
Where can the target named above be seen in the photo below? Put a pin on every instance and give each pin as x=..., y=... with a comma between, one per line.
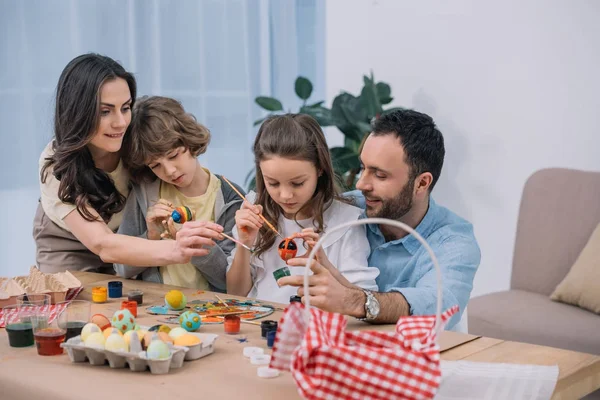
x=232, y=324
x=115, y=289
x=99, y=294
x=137, y=296
x=266, y=326
x=131, y=306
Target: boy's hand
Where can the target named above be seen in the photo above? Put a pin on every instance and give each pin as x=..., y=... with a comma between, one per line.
x=248, y=223
x=157, y=215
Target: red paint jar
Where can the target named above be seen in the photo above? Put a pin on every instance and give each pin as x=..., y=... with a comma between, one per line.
x=131, y=306
x=232, y=324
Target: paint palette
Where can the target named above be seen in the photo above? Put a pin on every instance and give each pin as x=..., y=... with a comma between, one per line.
x=247, y=310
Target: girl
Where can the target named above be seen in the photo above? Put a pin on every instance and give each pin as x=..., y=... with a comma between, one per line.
x=164, y=142
x=84, y=184
x=295, y=192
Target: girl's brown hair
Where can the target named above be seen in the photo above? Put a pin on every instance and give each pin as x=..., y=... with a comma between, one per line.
x=297, y=137
x=159, y=125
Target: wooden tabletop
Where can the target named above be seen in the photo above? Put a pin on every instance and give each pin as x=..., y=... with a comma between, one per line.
x=227, y=374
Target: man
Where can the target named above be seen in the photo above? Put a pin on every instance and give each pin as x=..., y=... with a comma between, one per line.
x=402, y=160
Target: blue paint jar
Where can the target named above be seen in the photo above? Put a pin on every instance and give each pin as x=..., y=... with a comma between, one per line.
x=271, y=338
x=115, y=289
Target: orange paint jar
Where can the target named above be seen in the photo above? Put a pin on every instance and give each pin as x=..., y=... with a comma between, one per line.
x=232, y=324
x=131, y=306
x=99, y=294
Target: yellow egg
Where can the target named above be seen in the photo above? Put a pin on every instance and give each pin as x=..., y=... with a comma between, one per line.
x=115, y=342
x=88, y=329
x=187, y=340
x=127, y=335
x=110, y=330
x=95, y=340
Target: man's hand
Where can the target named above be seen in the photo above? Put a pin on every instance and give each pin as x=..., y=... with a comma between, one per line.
x=328, y=289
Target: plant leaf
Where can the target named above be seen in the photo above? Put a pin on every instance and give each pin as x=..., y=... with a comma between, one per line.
x=269, y=103
x=384, y=92
x=321, y=114
x=344, y=159
x=370, y=100
x=316, y=104
x=260, y=121
x=303, y=87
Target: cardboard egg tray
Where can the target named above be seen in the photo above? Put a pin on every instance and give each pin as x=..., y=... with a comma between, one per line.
x=60, y=286
x=138, y=362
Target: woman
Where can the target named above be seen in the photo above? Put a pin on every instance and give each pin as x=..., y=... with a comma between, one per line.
x=84, y=184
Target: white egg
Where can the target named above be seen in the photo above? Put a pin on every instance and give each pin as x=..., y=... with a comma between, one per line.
x=88, y=329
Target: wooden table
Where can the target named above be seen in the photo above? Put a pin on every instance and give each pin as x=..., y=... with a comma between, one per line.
x=227, y=374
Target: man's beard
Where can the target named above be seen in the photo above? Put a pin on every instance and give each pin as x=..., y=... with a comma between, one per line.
x=397, y=207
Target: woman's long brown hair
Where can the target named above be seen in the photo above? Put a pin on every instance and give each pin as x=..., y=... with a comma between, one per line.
x=297, y=137
x=76, y=119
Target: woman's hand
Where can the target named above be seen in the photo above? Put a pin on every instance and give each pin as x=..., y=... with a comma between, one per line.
x=156, y=218
x=193, y=238
x=248, y=223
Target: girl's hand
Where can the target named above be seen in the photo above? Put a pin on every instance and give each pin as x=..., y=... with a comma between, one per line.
x=157, y=215
x=169, y=229
x=248, y=223
x=310, y=238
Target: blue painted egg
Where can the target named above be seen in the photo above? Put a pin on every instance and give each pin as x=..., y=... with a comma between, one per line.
x=190, y=321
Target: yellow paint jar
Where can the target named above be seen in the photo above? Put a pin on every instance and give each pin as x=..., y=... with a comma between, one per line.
x=99, y=294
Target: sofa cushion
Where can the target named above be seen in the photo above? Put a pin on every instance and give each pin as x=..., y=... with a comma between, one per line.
x=581, y=286
x=533, y=318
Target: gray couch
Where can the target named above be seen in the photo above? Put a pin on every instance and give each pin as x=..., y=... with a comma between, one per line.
x=560, y=208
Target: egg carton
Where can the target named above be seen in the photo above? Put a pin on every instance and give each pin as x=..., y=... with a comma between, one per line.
x=138, y=362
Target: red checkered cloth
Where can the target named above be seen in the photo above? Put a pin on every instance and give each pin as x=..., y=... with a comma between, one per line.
x=55, y=309
x=329, y=363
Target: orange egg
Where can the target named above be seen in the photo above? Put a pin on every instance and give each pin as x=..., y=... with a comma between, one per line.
x=187, y=340
x=102, y=321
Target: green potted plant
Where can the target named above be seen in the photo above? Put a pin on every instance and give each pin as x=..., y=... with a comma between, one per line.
x=351, y=114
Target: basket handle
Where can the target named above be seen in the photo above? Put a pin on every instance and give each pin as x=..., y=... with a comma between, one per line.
x=379, y=221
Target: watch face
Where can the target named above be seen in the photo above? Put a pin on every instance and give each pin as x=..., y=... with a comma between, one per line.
x=374, y=308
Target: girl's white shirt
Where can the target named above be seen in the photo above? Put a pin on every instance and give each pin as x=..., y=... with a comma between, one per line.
x=347, y=249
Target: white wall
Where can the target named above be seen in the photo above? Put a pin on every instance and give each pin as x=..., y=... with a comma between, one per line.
x=514, y=87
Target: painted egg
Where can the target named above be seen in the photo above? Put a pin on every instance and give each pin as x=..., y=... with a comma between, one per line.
x=116, y=342
x=108, y=331
x=160, y=328
x=101, y=320
x=176, y=332
x=95, y=340
x=158, y=350
x=287, y=249
x=187, y=340
x=190, y=321
x=123, y=320
x=88, y=329
x=182, y=214
x=175, y=300
x=150, y=336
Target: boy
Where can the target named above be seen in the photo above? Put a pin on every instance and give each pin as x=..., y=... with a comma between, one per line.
x=164, y=142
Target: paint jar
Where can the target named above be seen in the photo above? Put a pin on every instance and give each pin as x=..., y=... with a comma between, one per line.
x=137, y=296
x=115, y=289
x=266, y=326
x=271, y=338
x=232, y=324
x=295, y=299
x=131, y=306
x=281, y=272
x=99, y=294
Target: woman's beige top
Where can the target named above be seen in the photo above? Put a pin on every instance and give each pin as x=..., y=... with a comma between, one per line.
x=57, y=210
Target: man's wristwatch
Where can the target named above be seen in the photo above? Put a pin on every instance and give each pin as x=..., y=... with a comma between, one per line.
x=371, y=307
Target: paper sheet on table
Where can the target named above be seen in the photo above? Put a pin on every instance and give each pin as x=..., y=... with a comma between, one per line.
x=466, y=380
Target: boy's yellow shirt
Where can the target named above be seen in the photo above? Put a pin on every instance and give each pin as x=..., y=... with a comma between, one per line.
x=186, y=275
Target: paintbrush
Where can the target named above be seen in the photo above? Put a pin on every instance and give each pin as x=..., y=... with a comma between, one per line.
x=260, y=215
x=221, y=301
x=238, y=242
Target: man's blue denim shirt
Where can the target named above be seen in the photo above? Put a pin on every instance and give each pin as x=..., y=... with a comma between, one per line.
x=406, y=267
